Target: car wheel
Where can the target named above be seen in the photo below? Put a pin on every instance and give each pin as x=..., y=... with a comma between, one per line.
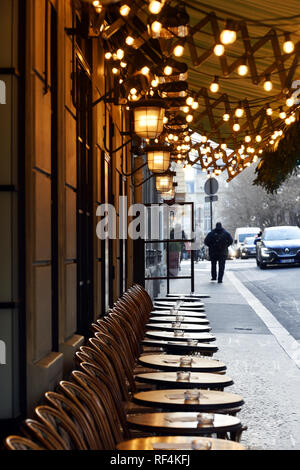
x=262, y=266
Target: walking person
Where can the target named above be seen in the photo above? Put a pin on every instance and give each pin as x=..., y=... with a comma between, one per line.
x=218, y=241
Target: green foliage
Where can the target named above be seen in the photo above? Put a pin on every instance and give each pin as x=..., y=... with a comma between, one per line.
x=277, y=166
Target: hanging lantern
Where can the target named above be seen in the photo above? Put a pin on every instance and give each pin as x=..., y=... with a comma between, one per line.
x=164, y=183
x=158, y=158
x=148, y=118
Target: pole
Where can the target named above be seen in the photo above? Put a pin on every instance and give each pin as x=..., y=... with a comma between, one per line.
x=210, y=202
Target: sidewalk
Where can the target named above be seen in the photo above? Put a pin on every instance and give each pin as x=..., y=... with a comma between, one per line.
x=263, y=373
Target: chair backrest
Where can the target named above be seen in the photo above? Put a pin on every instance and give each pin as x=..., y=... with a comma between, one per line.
x=91, y=383
x=93, y=409
x=76, y=414
x=40, y=433
x=121, y=336
x=122, y=356
x=21, y=443
x=59, y=423
x=104, y=349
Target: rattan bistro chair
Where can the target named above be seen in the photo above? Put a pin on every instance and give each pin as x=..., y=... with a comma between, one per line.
x=21, y=443
x=40, y=433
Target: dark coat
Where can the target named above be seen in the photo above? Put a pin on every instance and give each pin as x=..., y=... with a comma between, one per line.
x=218, y=250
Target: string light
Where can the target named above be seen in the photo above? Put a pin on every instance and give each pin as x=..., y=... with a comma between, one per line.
x=226, y=117
x=239, y=112
x=243, y=70
x=165, y=120
x=108, y=55
x=258, y=138
x=195, y=105
x=189, y=101
x=178, y=50
x=228, y=35
x=156, y=27
x=123, y=64
x=124, y=10
x=269, y=110
x=189, y=118
x=129, y=40
x=290, y=102
x=219, y=50
x=133, y=91
x=247, y=138
x=145, y=70
x=268, y=85
x=185, y=109
x=236, y=127
x=282, y=114
x=168, y=70
x=288, y=45
x=214, y=86
x=115, y=70
x=155, y=7
x=120, y=54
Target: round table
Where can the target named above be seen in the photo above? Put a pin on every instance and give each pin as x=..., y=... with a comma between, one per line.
x=167, y=335
x=193, y=295
x=186, y=319
x=172, y=303
x=173, y=400
x=180, y=309
x=171, y=363
x=180, y=347
x=185, y=423
x=176, y=443
x=182, y=313
x=185, y=327
x=197, y=380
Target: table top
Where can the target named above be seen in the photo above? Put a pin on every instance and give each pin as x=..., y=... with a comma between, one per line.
x=182, y=313
x=182, y=423
x=185, y=308
x=191, y=294
x=197, y=380
x=174, y=298
x=184, y=327
x=171, y=362
x=206, y=337
x=173, y=400
x=177, y=443
x=179, y=345
x=171, y=303
x=186, y=319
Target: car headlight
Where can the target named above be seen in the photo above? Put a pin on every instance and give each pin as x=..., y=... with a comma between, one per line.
x=265, y=252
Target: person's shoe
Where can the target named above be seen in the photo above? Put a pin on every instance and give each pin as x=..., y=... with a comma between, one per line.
x=220, y=282
x=212, y=279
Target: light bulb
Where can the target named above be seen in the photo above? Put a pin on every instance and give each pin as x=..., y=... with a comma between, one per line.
x=108, y=55
x=178, y=50
x=236, y=127
x=288, y=45
x=219, y=50
x=171, y=136
x=288, y=121
x=120, y=54
x=129, y=40
x=226, y=117
x=187, y=138
x=268, y=85
x=239, y=112
x=176, y=138
x=195, y=105
x=145, y=70
x=124, y=10
x=228, y=36
x=282, y=114
x=203, y=139
x=168, y=70
x=185, y=109
x=189, y=118
x=269, y=111
x=290, y=102
x=165, y=120
x=156, y=27
x=155, y=82
x=224, y=146
x=214, y=86
x=243, y=70
x=155, y=7
x=123, y=64
x=96, y=3
x=292, y=118
x=115, y=70
x=133, y=91
x=258, y=138
x=247, y=138
x=189, y=101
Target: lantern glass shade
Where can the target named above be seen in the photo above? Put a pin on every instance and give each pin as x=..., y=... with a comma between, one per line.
x=148, y=120
x=164, y=183
x=158, y=160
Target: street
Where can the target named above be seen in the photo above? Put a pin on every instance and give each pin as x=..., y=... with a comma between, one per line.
x=255, y=316
x=277, y=288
